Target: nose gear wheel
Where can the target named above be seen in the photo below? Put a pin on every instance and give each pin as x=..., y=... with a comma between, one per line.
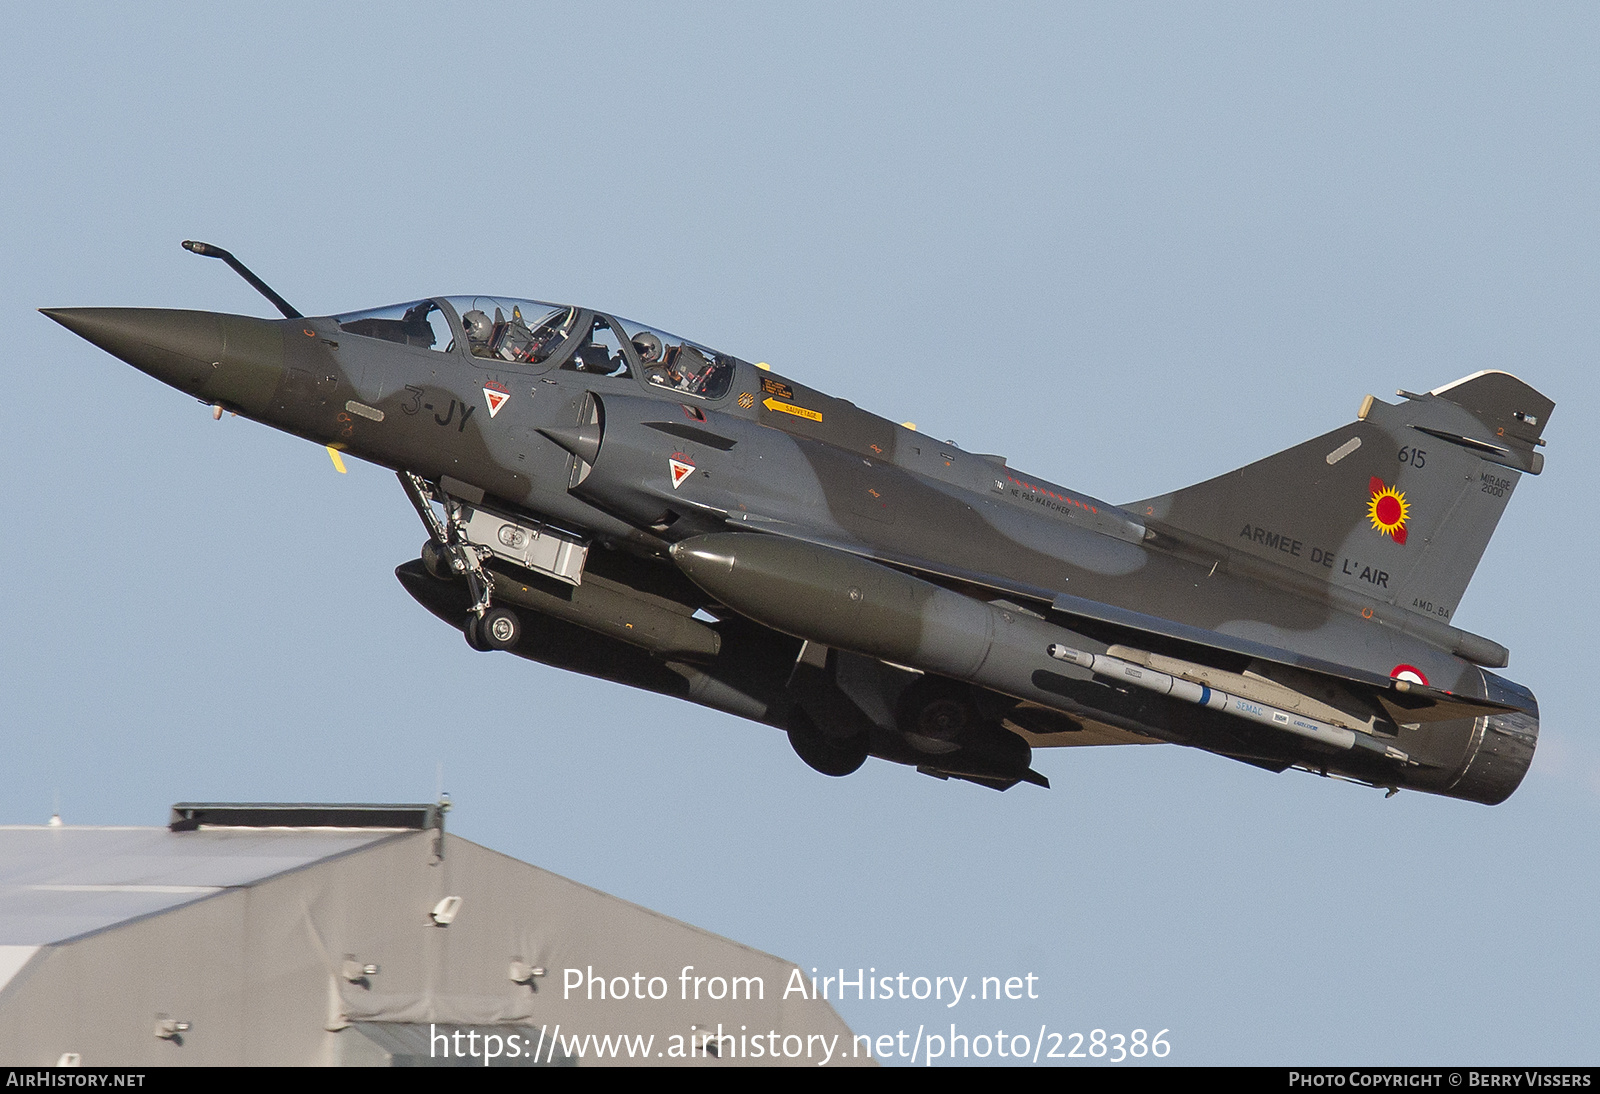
x=499, y=629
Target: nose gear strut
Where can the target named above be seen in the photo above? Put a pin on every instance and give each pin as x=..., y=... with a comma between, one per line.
x=456, y=554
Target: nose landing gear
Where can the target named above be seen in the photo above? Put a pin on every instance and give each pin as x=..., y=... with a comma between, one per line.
x=499, y=629
x=473, y=630
x=467, y=536
x=449, y=553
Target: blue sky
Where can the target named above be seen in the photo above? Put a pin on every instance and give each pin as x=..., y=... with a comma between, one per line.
x=1128, y=246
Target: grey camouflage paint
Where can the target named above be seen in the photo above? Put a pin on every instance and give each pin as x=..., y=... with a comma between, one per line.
x=878, y=592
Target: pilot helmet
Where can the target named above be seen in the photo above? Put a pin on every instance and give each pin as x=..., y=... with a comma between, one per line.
x=478, y=326
x=648, y=345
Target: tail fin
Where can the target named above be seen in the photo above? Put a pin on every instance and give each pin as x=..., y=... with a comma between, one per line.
x=1399, y=505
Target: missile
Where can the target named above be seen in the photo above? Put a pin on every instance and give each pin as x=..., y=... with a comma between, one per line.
x=1114, y=668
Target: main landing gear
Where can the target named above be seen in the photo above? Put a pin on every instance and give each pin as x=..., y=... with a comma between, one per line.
x=449, y=553
x=822, y=751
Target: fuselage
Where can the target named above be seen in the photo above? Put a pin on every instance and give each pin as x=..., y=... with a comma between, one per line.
x=747, y=449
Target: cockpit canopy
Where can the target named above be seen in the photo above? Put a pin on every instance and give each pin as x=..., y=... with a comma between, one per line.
x=538, y=336
x=420, y=323
x=512, y=335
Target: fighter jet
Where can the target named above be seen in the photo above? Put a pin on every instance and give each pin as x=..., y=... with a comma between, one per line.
x=614, y=500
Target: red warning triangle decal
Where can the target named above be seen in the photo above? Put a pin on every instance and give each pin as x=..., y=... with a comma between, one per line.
x=496, y=395
x=680, y=471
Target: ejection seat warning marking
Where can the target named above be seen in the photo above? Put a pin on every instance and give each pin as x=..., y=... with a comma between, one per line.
x=746, y=400
x=496, y=395
x=789, y=408
x=1343, y=450
x=774, y=387
x=680, y=471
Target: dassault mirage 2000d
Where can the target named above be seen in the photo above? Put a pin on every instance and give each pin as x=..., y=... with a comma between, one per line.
x=612, y=499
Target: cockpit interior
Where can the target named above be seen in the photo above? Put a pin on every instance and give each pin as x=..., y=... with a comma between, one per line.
x=539, y=336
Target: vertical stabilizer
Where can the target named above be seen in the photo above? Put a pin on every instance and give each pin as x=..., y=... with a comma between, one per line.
x=1398, y=506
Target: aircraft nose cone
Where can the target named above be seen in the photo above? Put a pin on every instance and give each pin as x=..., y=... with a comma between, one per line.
x=229, y=359
x=176, y=347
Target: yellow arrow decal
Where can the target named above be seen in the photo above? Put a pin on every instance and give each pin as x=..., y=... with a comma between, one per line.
x=789, y=408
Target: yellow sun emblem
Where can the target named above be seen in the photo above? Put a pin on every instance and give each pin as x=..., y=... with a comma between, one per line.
x=1388, y=510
